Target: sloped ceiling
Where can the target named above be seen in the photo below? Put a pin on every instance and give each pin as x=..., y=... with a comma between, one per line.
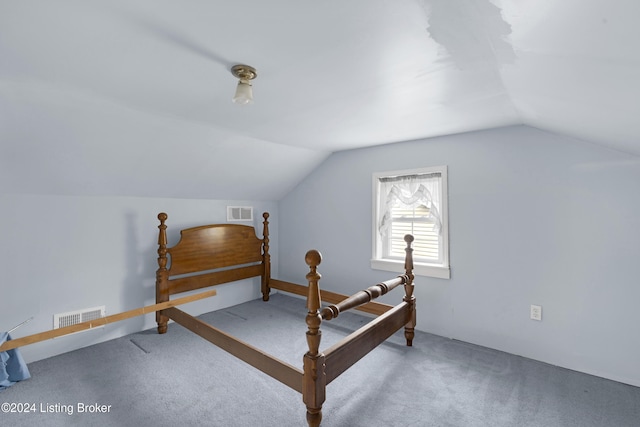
x=132, y=98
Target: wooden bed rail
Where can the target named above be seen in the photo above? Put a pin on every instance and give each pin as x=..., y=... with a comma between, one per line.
x=32, y=339
x=272, y=366
x=343, y=354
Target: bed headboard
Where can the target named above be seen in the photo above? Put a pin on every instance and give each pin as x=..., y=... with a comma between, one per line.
x=210, y=255
x=210, y=247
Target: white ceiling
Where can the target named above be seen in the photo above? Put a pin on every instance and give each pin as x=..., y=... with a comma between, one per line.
x=132, y=98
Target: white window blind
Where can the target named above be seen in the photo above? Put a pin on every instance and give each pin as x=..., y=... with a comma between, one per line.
x=426, y=245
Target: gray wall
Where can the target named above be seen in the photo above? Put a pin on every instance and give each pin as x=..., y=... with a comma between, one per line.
x=535, y=218
x=62, y=253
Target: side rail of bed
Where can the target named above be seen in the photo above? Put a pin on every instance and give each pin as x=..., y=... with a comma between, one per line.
x=210, y=255
x=321, y=368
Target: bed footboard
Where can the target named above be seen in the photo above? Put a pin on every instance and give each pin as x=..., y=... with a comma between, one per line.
x=320, y=368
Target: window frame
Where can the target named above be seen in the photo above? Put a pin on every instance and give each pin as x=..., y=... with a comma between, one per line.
x=378, y=262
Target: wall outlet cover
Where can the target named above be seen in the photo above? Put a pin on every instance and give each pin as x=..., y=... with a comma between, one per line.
x=536, y=312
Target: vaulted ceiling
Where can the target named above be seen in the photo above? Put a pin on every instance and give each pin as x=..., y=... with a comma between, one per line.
x=133, y=98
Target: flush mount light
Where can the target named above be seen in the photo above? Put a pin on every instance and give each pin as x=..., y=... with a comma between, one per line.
x=245, y=73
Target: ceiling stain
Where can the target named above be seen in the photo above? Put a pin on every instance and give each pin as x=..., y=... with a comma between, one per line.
x=472, y=33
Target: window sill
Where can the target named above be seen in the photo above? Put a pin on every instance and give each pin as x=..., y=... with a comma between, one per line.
x=419, y=269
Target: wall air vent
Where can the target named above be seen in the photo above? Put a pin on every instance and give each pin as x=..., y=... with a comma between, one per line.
x=239, y=213
x=74, y=317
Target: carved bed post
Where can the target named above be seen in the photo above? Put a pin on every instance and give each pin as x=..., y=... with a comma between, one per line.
x=408, y=290
x=314, y=379
x=266, y=258
x=162, y=275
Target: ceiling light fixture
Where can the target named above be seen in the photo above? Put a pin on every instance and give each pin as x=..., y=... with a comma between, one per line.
x=245, y=73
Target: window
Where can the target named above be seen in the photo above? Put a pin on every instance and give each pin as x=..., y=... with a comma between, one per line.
x=411, y=202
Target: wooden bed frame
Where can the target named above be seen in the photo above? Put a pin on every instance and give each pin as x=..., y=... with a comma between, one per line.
x=214, y=254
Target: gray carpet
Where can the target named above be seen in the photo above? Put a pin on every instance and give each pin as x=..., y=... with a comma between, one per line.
x=180, y=379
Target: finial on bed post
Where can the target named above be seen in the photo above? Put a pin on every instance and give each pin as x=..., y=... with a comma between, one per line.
x=266, y=258
x=162, y=289
x=408, y=290
x=314, y=378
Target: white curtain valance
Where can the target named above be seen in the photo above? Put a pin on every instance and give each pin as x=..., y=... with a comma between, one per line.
x=410, y=191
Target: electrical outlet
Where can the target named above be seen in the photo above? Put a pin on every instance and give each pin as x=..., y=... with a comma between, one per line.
x=536, y=312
